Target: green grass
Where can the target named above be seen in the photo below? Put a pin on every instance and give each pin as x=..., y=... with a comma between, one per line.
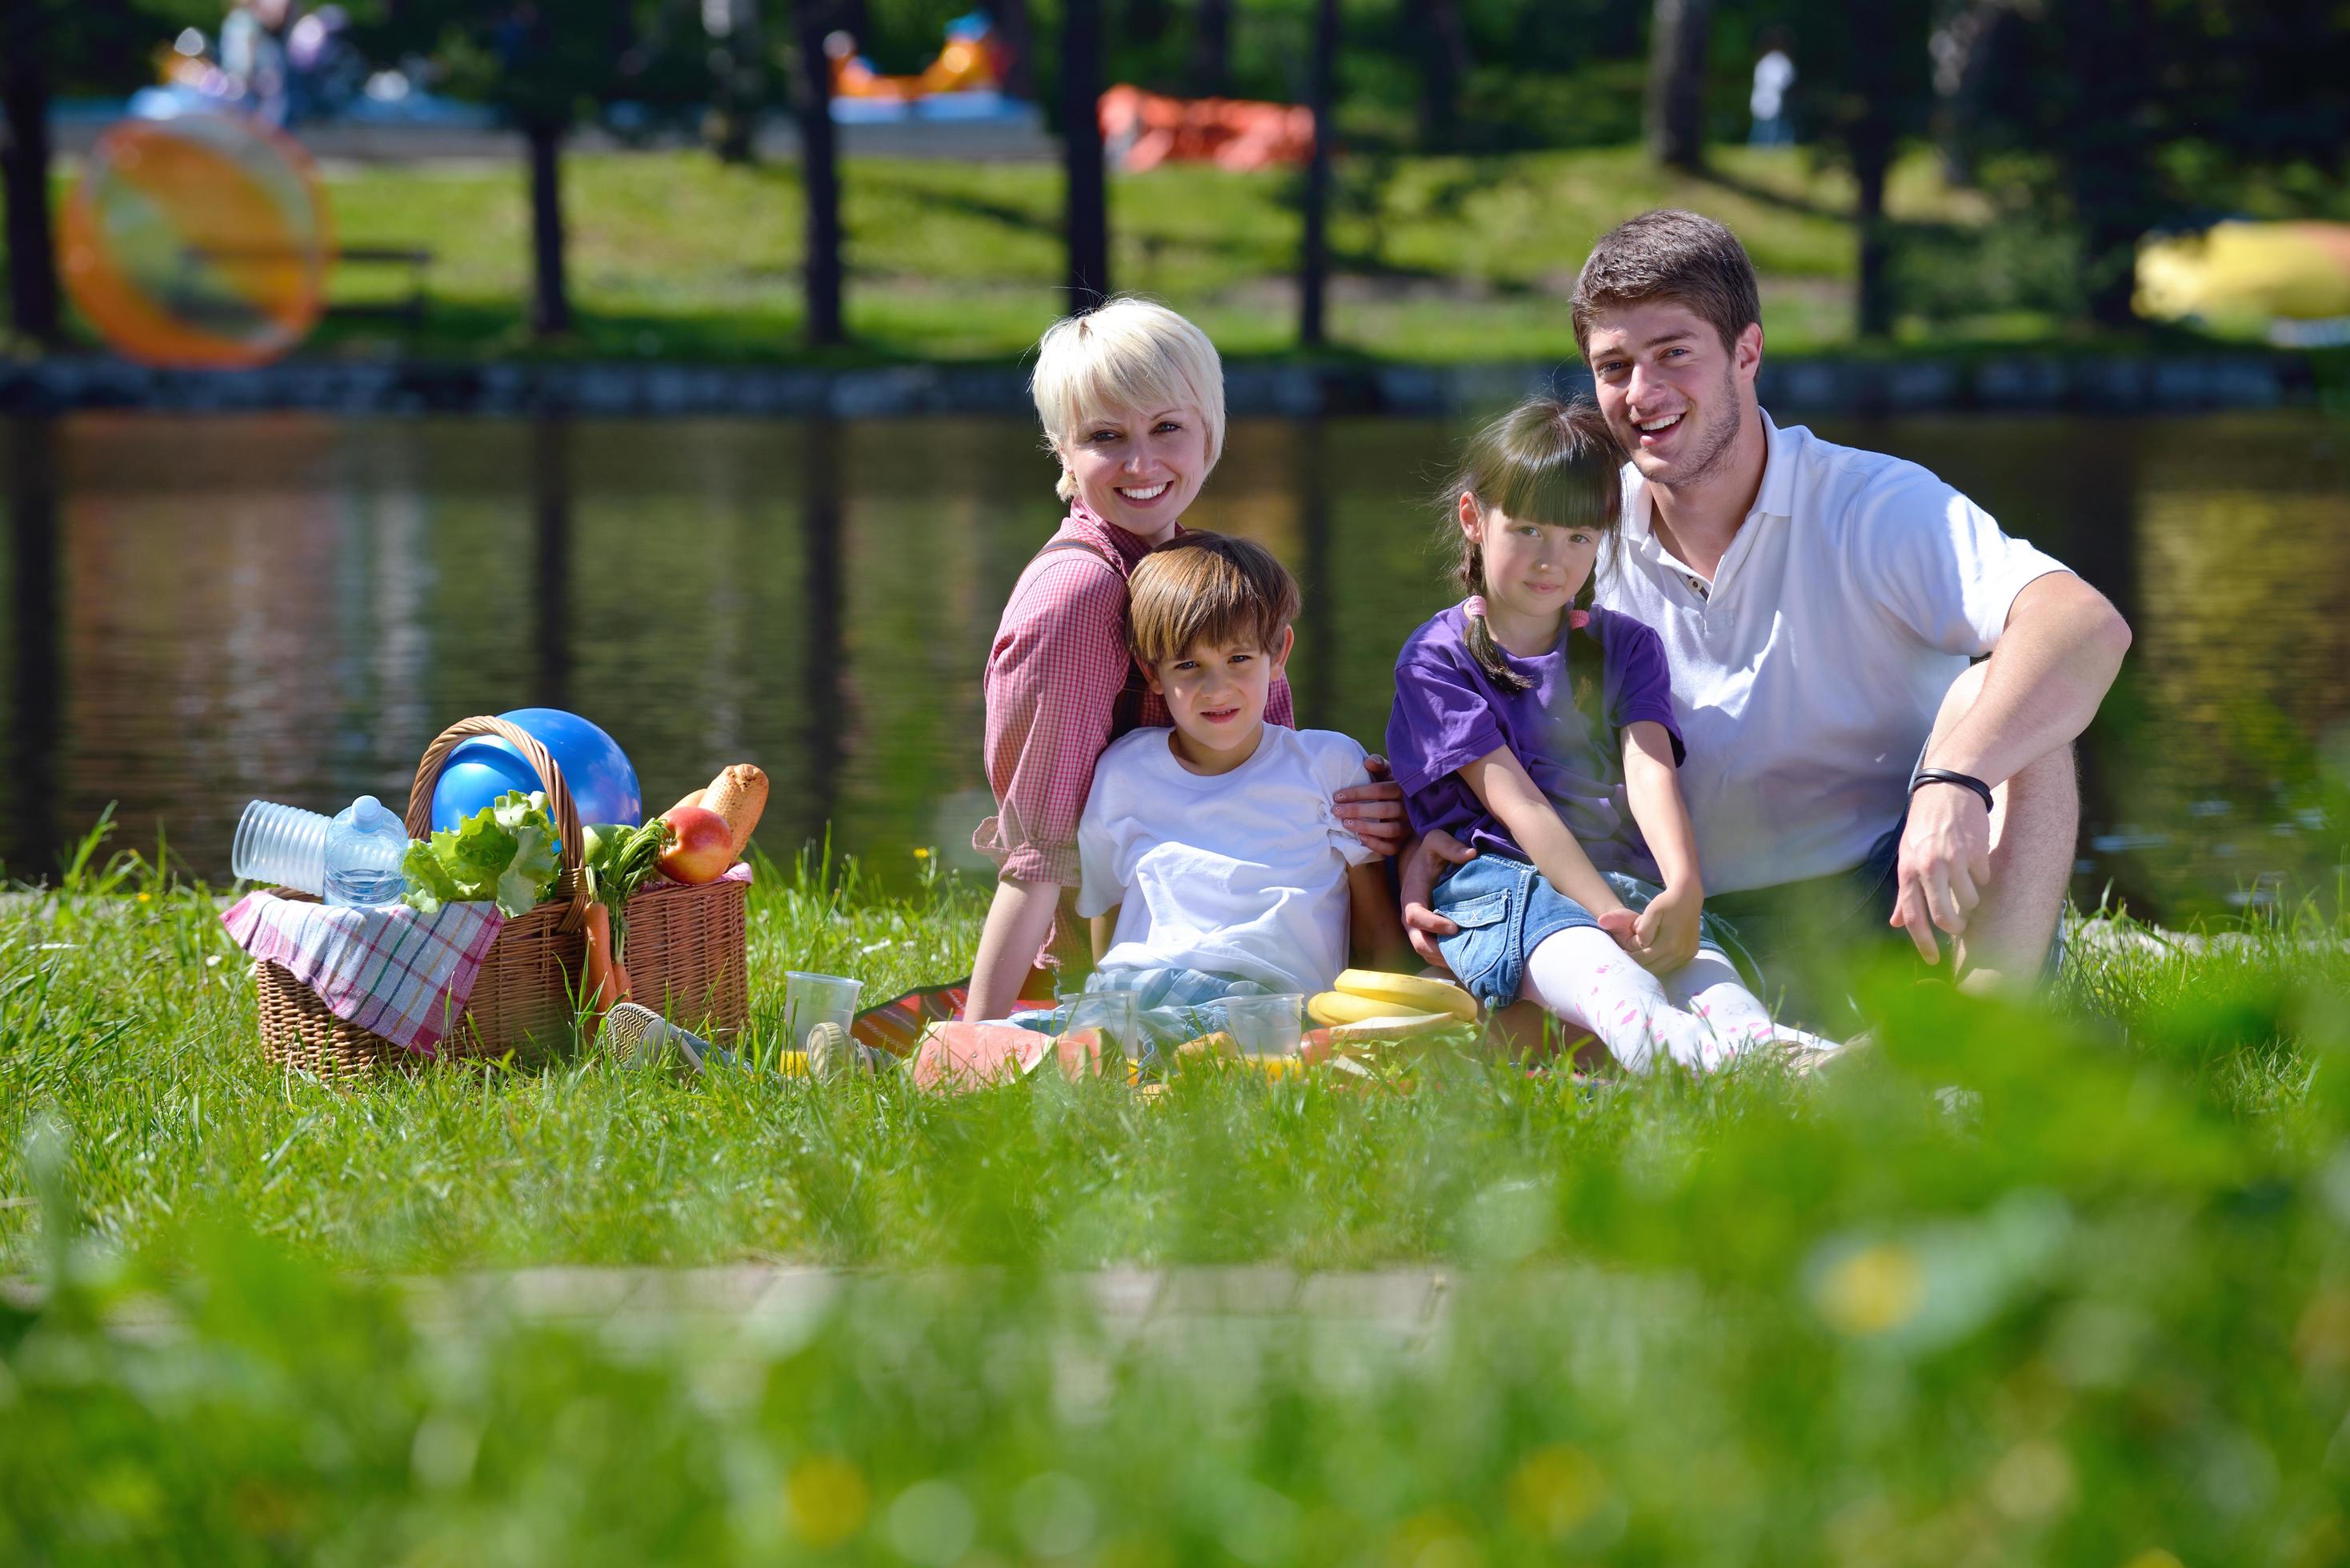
x=2065, y=1283
x=673, y=254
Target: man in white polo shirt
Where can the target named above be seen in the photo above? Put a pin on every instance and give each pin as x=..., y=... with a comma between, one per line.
x=1851, y=774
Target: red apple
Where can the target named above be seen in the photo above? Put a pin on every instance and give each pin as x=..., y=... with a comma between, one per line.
x=703, y=848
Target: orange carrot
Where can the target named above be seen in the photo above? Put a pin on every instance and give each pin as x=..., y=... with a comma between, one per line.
x=602, y=990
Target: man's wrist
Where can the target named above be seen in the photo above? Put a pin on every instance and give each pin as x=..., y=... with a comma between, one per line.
x=1954, y=778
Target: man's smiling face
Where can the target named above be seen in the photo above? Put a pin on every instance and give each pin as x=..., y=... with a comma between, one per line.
x=1672, y=392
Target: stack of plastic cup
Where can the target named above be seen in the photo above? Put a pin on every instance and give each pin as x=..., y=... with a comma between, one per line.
x=1265, y=1025
x=811, y=999
x=281, y=845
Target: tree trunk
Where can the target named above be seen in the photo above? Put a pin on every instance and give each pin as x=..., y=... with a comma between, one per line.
x=1442, y=40
x=28, y=839
x=1081, y=150
x=1211, y=48
x=24, y=175
x=2114, y=189
x=551, y=297
x=1872, y=158
x=819, y=172
x=1314, y=262
x=1016, y=33
x=737, y=86
x=1678, y=37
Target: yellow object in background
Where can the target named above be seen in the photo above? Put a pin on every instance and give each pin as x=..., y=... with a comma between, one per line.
x=2247, y=271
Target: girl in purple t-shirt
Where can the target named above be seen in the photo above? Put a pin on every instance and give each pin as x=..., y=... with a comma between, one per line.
x=1541, y=732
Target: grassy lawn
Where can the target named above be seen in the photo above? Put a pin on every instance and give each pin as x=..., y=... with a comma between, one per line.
x=2067, y=1284
x=674, y=255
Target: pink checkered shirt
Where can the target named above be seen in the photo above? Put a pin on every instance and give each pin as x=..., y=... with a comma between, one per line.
x=1053, y=675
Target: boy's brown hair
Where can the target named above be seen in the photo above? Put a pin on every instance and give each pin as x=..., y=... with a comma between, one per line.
x=1669, y=254
x=1207, y=588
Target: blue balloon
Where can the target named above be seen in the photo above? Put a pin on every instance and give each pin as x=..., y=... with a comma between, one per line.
x=602, y=782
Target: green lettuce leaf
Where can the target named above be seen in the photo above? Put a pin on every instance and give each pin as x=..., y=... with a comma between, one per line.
x=507, y=851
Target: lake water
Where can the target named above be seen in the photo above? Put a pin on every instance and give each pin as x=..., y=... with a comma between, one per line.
x=201, y=611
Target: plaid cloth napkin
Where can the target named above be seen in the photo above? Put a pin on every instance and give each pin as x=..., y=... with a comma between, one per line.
x=399, y=974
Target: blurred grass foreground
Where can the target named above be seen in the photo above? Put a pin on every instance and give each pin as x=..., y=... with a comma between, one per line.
x=2065, y=1283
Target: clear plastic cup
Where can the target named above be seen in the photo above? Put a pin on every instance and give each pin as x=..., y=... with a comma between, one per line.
x=1115, y=1013
x=283, y=845
x=811, y=999
x=1265, y=1025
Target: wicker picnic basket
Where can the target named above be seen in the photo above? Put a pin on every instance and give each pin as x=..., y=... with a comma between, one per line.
x=685, y=954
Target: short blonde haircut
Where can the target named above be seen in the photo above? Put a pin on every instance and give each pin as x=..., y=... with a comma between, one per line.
x=1207, y=589
x=1129, y=354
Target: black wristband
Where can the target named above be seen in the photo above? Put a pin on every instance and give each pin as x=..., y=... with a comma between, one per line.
x=1945, y=775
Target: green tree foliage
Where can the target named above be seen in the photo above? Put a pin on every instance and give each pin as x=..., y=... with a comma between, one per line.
x=547, y=66
x=2127, y=115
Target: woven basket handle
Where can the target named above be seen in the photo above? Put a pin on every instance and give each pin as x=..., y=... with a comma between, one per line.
x=568, y=883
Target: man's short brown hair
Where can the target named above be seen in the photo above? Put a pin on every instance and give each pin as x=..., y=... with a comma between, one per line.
x=1207, y=589
x=1669, y=254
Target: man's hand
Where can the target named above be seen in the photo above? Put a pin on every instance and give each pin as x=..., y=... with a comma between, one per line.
x=1421, y=867
x=1945, y=864
x=1664, y=935
x=1374, y=812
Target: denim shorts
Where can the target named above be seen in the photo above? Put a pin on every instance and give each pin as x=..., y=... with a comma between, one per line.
x=1505, y=908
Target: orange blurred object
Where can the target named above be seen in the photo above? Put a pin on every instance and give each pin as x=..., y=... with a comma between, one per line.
x=1145, y=129
x=201, y=242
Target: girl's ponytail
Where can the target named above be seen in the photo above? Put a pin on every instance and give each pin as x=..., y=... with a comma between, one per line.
x=1479, y=631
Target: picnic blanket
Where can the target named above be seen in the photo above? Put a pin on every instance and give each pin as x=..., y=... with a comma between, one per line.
x=399, y=974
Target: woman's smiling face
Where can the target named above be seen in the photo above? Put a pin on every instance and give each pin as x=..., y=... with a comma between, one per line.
x=1139, y=468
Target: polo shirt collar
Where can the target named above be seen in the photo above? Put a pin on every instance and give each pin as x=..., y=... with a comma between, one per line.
x=1777, y=496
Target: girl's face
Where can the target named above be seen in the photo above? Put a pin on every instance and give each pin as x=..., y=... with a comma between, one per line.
x=1137, y=468
x=1532, y=570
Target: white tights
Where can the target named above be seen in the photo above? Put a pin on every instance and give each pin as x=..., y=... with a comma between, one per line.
x=1701, y=1015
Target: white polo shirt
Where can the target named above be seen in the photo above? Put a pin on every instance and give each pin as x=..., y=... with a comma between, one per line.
x=1807, y=676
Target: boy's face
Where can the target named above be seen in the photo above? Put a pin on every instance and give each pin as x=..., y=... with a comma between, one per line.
x=1216, y=695
x=1140, y=468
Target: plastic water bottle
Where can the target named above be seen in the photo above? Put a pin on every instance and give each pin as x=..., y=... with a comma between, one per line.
x=363, y=854
x=282, y=844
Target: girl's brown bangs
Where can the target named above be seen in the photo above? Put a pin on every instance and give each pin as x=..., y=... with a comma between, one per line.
x=1571, y=489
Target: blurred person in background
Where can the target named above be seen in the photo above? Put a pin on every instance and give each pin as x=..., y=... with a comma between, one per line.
x=253, y=53
x=1775, y=73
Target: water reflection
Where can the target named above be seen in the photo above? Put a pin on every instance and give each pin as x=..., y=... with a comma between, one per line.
x=203, y=611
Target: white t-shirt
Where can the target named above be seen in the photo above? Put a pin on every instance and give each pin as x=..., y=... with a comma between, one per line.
x=1807, y=679
x=1241, y=873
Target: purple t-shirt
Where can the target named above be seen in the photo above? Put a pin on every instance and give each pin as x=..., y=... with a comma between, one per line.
x=1447, y=713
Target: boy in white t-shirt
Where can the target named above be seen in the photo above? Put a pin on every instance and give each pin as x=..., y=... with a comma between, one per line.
x=1213, y=864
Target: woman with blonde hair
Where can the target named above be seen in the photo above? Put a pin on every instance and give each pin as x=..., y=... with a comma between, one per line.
x=1131, y=397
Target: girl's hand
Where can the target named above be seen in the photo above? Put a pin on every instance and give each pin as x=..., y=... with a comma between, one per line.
x=1373, y=812
x=1664, y=935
